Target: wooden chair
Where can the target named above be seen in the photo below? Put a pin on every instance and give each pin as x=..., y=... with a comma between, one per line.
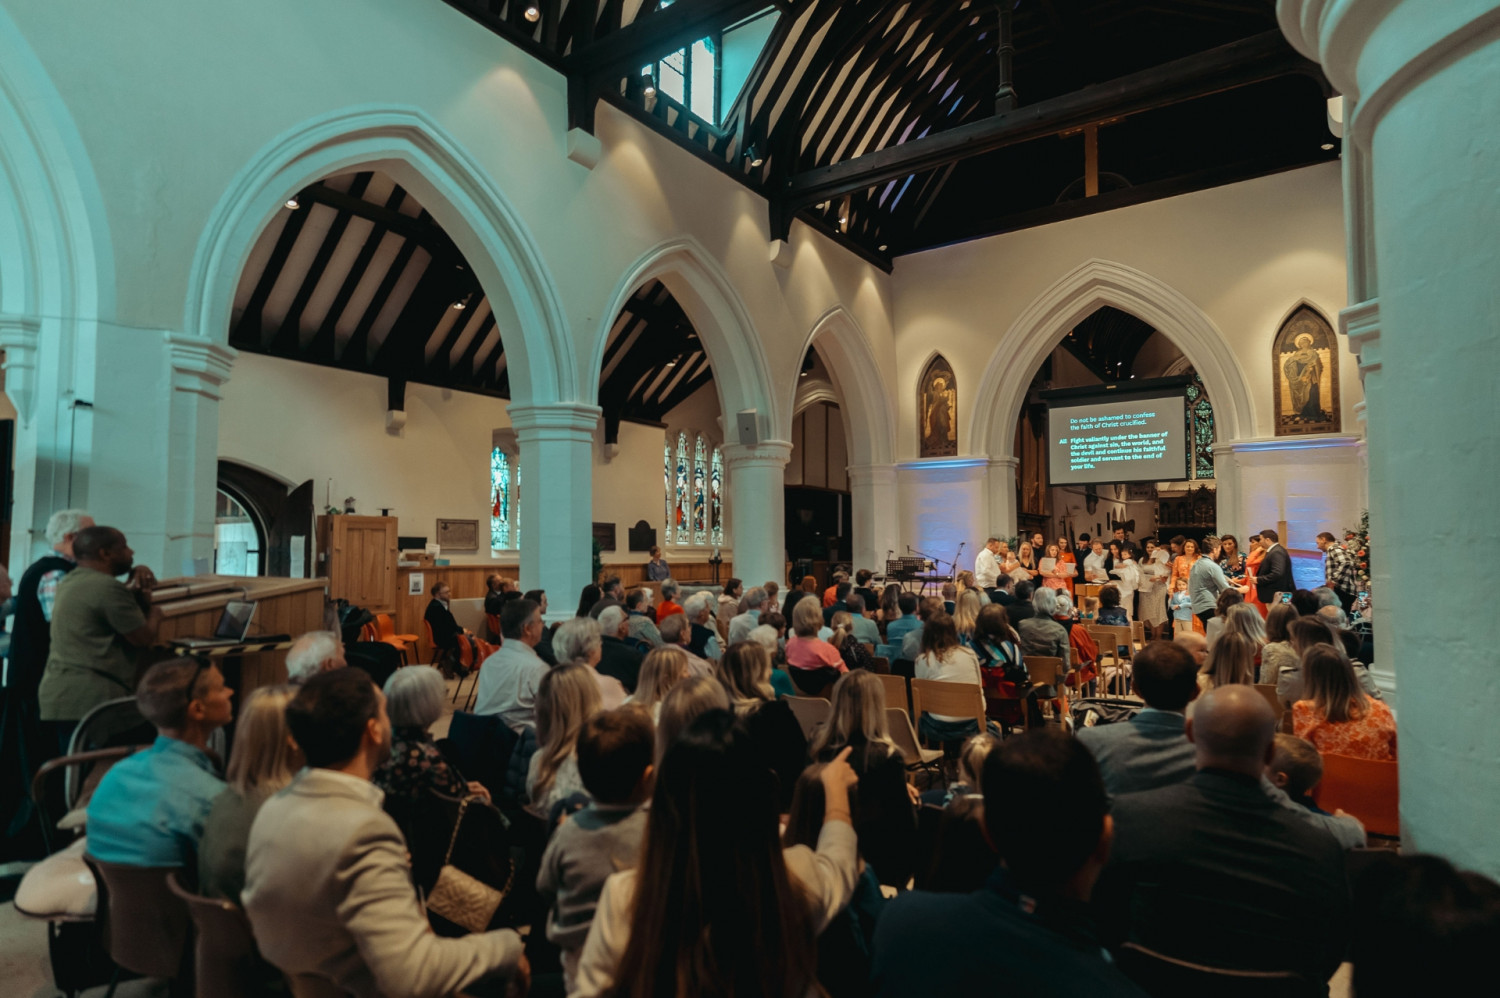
x=880, y=665
x=1049, y=671
x=225, y=960
x=1138, y=631
x=905, y=737
x=811, y=712
x=144, y=927
x=1365, y=788
x=936, y=696
x=896, y=692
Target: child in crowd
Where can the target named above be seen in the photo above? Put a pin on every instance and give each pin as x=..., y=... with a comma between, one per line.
x=970, y=765
x=1091, y=608
x=615, y=752
x=1296, y=768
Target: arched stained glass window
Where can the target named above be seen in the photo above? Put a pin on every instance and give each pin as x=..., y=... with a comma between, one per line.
x=1200, y=428
x=680, y=491
x=505, y=501
x=666, y=489
x=700, y=490
x=716, y=498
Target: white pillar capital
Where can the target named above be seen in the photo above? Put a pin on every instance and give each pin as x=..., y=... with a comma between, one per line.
x=766, y=454
x=198, y=365
x=1360, y=324
x=758, y=523
x=871, y=474
x=554, y=421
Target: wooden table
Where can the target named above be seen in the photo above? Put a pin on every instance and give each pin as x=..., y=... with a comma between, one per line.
x=284, y=606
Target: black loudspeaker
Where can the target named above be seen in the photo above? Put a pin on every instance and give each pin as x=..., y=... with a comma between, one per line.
x=749, y=432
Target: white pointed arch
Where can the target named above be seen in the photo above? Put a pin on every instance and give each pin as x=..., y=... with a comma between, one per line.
x=708, y=298
x=1095, y=283
x=870, y=418
x=420, y=155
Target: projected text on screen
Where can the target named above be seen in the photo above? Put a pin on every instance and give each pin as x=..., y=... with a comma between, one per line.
x=1097, y=440
x=1138, y=439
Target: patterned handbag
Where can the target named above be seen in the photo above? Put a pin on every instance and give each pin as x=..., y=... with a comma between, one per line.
x=463, y=899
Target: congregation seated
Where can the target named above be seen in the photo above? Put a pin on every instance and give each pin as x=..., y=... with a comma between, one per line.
x=415, y=768
x=588, y=598
x=1296, y=769
x=150, y=808
x=944, y=659
x=566, y=699
x=615, y=752
x=618, y=655
x=865, y=627
x=677, y=632
x=669, y=604
x=727, y=606
x=850, y=648
x=703, y=638
x=911, y=642
x=1230, y=660
x=641, y=624
x=867, y=595
x=1214, y=626
x=263, y=761
x=1306, y=633
x=1020, y=606
x=774, y=732
x=1047, y=815
x=1213, y=871
x=580, y=641
x=897, y=630
x=889, y=606
x=328, y=888
x=1277, y=655
x=1338, y=716
x=971, y=759
x=741, y=624
x=840, y=604
x=1150, y=750
x=1040, y=633
x=721, y=903
x=611, y=593
x=1111, y=614
x=662, y=669
x=831, y=595
x=812, y=662
x=314, y=652
x=768, y=636
x=685, y=703
x=884, y=816
x=1193, y=643
x=497, y=591
x=965, y=614
x=509, y=678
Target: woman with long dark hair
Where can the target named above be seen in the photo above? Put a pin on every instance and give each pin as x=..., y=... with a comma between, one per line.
x=728, y=911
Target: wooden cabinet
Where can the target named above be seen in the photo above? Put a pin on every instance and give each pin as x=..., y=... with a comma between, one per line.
x=358, y=556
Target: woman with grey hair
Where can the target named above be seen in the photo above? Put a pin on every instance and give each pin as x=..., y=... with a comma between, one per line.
x=704, y=641
x=414, y=697
x=580, y=640
x=1042, y=634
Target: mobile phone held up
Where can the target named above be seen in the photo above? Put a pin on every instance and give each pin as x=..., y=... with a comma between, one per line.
x=1286, y=597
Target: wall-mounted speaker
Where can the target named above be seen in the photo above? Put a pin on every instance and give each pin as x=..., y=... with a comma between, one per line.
x=748, y=430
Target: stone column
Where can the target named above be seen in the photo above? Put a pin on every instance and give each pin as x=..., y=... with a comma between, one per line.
x=1228, y=511
x=758, y=500
x=198, y=369
x=1421, y=85
x=1001, y=489
x=557, y=481
x=876, y=515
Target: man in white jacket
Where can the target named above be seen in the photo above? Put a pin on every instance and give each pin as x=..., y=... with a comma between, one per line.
x=987, y=566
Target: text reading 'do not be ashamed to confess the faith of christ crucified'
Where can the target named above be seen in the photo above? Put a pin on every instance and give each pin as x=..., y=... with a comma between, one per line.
x=1096, y=440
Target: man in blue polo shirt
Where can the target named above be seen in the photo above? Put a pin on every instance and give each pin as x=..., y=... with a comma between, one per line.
x=150, y=807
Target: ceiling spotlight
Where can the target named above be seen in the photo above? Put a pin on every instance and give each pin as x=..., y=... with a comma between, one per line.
x=650, y=74
x=533, y=13
x=843, y=219
x=754, y=156
x=293, y=203
x=671, y=363
x=1328, y=147
x=460, y=305
x=822, y=205
x=883, y=247
x=802, y=375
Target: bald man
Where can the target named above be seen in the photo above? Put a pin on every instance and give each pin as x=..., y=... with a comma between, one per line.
x=1214, y=871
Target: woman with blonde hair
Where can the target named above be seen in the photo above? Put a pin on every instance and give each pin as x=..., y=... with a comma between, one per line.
x=745, y=671
x=847, y=643
x=693, y=696
x=1243, y=618
x=1230, y=661
x=661, y=669
x=965, y=613
x=565, y=699
x=944, y=659
x=1337, y=716
x=263, y=761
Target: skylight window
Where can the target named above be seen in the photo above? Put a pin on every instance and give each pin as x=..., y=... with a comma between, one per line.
x=707, y=76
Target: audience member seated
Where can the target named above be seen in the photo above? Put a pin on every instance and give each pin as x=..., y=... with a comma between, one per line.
x=865, y=628
x=642, y=628
x=741, y=625
x=1214, y=872
x=1040, y=633
x=579, y=641
x=840, y=604
x=611, y=593
x=150, y=808
x=772, y=588
x=965, y=614
x=1295, y=769
x=1439, y=928
x=1337, y=715
x=780, y=745
x=1149, y=750
x=1083, y=657
x=1230, y=660
x=657, y=569
x=314, y=652
x=728, y=604
x=897, y=630
x=768, y=636
x=1214, y=626
x=669, y=604
x=728, y=910
x=565, y=701
x=1111, y=614
x=96, y=621
x=970, y=768
x=704, y=636
x=496, y=590
x=850, y=648
x=962, y=859
x=869, y=596
x=812, y=662
x=1003, y=670
x=1005, y=593
x=328, y=884
x=588, y=598
x=890, y=606
x=945, y=660
x=447, y=632
x=1193, y=643
x=661, y=670
x=615, y=752
x=1306, y=633
x=1244, y=619
x=685, y=703
x=508, y=679
x=911, y=644
x=831, y=594
x=1027, y=931
x=676, y=632
x=263, y=761
x=883, y=815
x=618, y=656
x=415, y=769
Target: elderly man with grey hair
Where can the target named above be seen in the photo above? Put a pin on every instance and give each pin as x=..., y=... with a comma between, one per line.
x=703, y=638
x=314, y=652
x=31, y=631
x=580, y=640
x=677, y=632
x=741, y=626
x=618, y=655
x=414, y=699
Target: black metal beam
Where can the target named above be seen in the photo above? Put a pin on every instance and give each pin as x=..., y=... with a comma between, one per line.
x=1252, y=60
x=427, y=233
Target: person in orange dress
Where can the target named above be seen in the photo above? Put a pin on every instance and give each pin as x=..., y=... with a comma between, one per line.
x=1253, y=558
x=1338, y=717
x=1065, y=557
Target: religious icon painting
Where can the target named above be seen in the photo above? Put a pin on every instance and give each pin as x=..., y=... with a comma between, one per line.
x=1305, y=373
x=937, y=410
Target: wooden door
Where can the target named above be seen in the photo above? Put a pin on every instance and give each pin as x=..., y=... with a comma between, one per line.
x=361, y=560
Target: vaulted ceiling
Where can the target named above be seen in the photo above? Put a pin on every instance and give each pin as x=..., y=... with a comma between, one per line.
x=898, y=125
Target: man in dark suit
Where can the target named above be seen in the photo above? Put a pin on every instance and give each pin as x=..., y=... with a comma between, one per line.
x=1150, y=750
x=1215, y=872
x=617, y=654
x=1275, y=572
x=1027, y=931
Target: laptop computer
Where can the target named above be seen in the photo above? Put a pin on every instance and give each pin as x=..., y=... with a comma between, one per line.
x=233, y=627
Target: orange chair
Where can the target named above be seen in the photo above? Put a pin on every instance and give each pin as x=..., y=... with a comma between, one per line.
x=492, y=620
x=385, y=630
x=1365, y=788
x=441, y=659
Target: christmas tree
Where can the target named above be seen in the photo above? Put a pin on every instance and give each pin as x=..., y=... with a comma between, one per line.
x=1358, y=543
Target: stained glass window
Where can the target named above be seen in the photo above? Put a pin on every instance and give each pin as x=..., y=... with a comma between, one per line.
x=1200, y=428
x=700, y=490
x=680, y=492
x=505, y=501
x=716, y=497
x=666, y=489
